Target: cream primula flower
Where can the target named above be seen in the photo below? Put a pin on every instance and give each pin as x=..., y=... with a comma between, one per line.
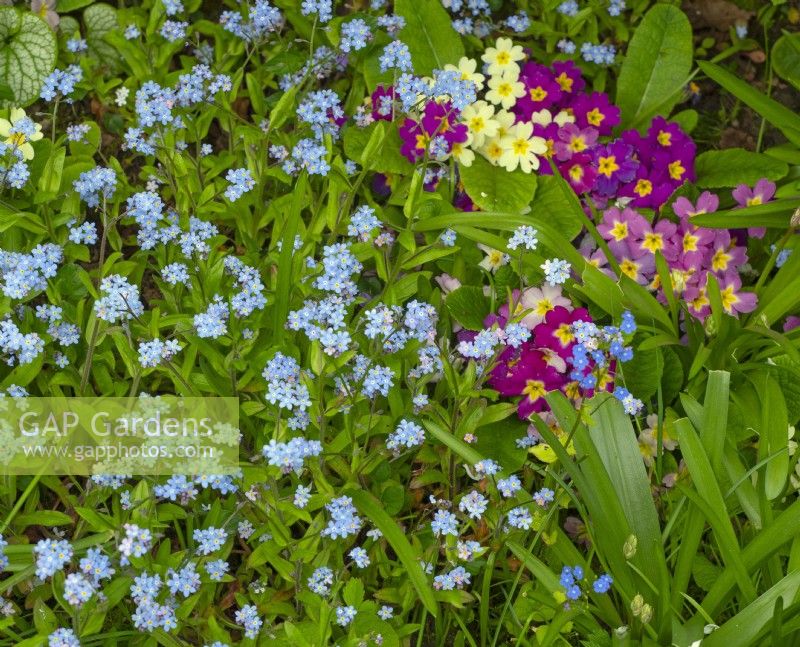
x=544, y=118
x=20, y=132
x=467, y=68
x=503, y=56
x=495, y=259
x=538, y=302
x=521, y=147
x=479, y=118
x=462, y=153
x=505, y=89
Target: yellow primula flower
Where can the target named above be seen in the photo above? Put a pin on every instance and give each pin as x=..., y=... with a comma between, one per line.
x=503, y=56
x=15, y=133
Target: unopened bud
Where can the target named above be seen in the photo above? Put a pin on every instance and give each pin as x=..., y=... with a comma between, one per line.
x=646, y=614
x=629, y=547
x=795, y=219
x=636, y=604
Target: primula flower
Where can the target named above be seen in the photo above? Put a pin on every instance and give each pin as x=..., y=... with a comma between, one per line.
x=734, y=301
x=20, y=131
x=597, y=111
x=479, y=119
x=503, y=57
x=467, y=69
x=520, y=149
x=505, y=89
x=615, y=165
x=761, y=193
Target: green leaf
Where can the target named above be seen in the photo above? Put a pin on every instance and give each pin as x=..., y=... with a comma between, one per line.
x=387, y=157
x=752, y=621
x=643, y=373
x=27, y=55
x=429, y=34
x=43, y=518
x=283, y=109
x=493, y=188
x=468, y=306
x=773, y=436
x=778, y=115
x=100, y=19
x=786, y=58
x=656, y=67
x=776, y=215
x=369, y=506
x=733, y=166
x=65, y=6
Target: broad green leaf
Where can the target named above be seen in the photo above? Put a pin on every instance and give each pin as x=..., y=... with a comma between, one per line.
x=752, y=622
x=493, y=188
x=773, y=434
x=387, y=157
x=784, y=119
x=706, y=495
x=733, y=166
x=369, y=506
x=65, y=6
x=643, y=373
x=785, y=58
x=100, y=19
x=468, y=306
x=656, y=67
x=429, y=34
x=776, y=214
x=27, y=54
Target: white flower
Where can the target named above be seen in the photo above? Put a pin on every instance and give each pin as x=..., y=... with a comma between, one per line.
x=479, y=118
x=494, y=260
x=503, y=56
x=505, y=89
x=467, y=68
x=540, y=301
x=122, y=96
x=520, y=148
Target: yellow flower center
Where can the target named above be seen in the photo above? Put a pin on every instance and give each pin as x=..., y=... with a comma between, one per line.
x=477, y=124
x=690, y=242
x=643, y=187
x=576, y=173
x=608, y=165
x=653, y=242
x=577, y=144
x=676, y=170
x=619, y=231
x=719, y=262
x=665, y=138
x=629, y=268
x=564, y=334
x=520, y=146
x=564, y=81
x=16, y=140
x=538, y=93
x=754, y=201
x=543, y=307
x=729, y=299
x=503, y=58
x=595, y=117
x=505, y=90
x=422, y=142
x=534, y=389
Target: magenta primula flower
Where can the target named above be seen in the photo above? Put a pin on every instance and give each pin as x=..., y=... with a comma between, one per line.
x=597, y=111
x=569, y=79
x=654, y=238
x=615, y=165
x=761, y=193
x=528, y=375
x=733, y=300
x=382, y=102
x=555, y=332
x=438, y=120
x=541, y=91
x=579, y=172
x=572, y=140
x=707, y=203
x=617, y=228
